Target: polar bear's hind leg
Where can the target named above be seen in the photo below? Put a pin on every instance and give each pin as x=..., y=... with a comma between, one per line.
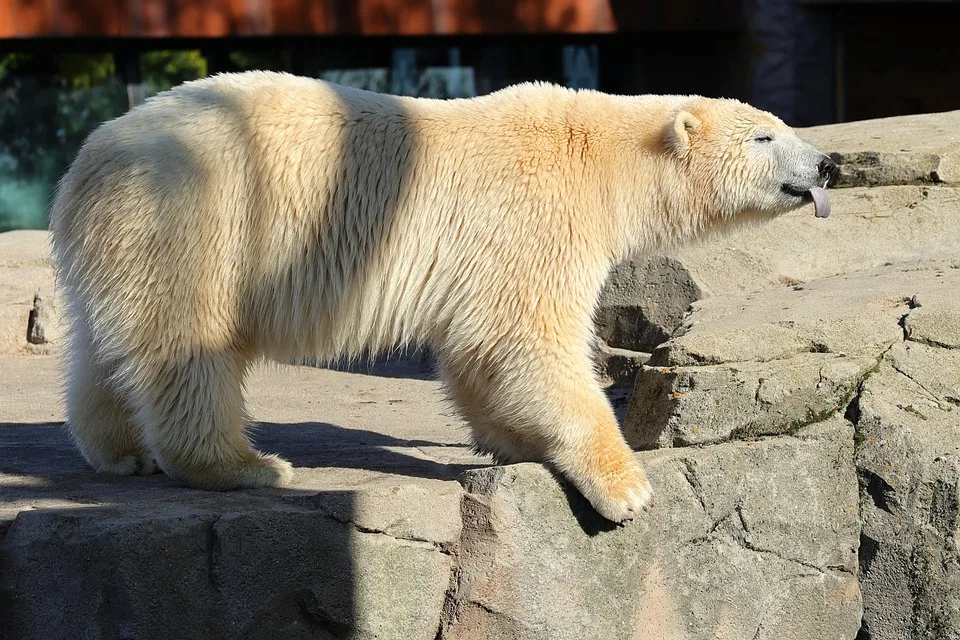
x=194, y=422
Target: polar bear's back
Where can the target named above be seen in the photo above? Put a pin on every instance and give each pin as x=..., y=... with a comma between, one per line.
x=253, y=207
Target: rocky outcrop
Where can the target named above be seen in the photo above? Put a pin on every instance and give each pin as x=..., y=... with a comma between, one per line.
x=368, y=548
x=643, y=301
x=730, y=521
x=896, y=207
x=368, y=563
x=880, y=348
x=908, y=460
x=771, y=362
x=920, y=149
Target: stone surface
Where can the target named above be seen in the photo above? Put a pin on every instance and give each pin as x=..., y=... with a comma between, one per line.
x=730, y=522
x=247, y=566
x=377, y=539
x=908, y=459
x=361, y=545
x=935, y=320
x=879, y=347
x=769, y=362
x=689, y=406
x=25, y=273
x=618, y=367
x=643, y=301
x=912, y=149
x=868, y=229
x=41, y=320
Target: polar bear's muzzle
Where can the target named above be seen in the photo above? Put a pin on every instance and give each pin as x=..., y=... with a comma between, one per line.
x=816, y=193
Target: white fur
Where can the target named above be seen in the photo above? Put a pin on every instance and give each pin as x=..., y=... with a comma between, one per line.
x=263, y=215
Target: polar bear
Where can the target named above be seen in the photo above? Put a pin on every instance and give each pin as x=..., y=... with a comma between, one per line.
x=262, y=215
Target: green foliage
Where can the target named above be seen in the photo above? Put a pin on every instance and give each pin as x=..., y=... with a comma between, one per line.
x=85, y=71
x=163, y=70
x=10, y=62
x=48, y=105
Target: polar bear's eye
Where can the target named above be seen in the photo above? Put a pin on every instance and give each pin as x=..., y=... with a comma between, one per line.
x=763, y=138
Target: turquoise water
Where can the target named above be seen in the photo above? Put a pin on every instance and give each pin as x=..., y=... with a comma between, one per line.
x=42, y=126
x=24, y=203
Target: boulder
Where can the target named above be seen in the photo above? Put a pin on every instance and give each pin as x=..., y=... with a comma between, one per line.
x=880, y=348
x=769, y=362
x=916, y=149
x=730, y=522
x=643, y=301
x=908, y=460
x=376, y=538
x=868, y=229
x=618, y=367
x=361, y=545
x=370, y=562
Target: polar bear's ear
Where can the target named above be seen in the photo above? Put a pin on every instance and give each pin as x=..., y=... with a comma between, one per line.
x=685, y=125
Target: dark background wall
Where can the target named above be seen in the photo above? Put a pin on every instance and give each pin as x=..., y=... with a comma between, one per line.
x=809, y=61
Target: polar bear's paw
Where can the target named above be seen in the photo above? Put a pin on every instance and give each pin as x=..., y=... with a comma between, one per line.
x=622, y=494
x=265, y=471
x=257, y=471
x=613, y=481
x=130, y=465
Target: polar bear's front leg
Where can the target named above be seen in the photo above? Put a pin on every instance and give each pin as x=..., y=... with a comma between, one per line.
x=551, y=410
x=590, y=450
x=194, y=422
x=601, y=465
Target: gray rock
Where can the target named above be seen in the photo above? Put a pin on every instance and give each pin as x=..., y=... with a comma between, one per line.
x=25, y=275
x=770, y=362
x=908, y=459
x=39, y=321
x=618, y=367
x=179, y=564
x=368, y=544
x=935, y=320
x=643, y=301
x=868, y=229
x=687, y=406
x=913, y=149
x=730, y=521
x=360, y=545
x=881, y=348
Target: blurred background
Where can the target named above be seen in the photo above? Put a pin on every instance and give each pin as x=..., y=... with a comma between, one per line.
x=68, y=65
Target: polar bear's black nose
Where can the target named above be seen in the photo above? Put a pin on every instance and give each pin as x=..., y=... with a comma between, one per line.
x=827, y=167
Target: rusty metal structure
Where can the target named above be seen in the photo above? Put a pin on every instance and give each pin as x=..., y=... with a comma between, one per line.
x=225, y=18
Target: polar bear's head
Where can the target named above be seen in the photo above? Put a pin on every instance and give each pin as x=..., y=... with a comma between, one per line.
x=747, y=162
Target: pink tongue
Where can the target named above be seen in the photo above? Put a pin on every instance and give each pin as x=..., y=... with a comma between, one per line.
x=821, y=202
